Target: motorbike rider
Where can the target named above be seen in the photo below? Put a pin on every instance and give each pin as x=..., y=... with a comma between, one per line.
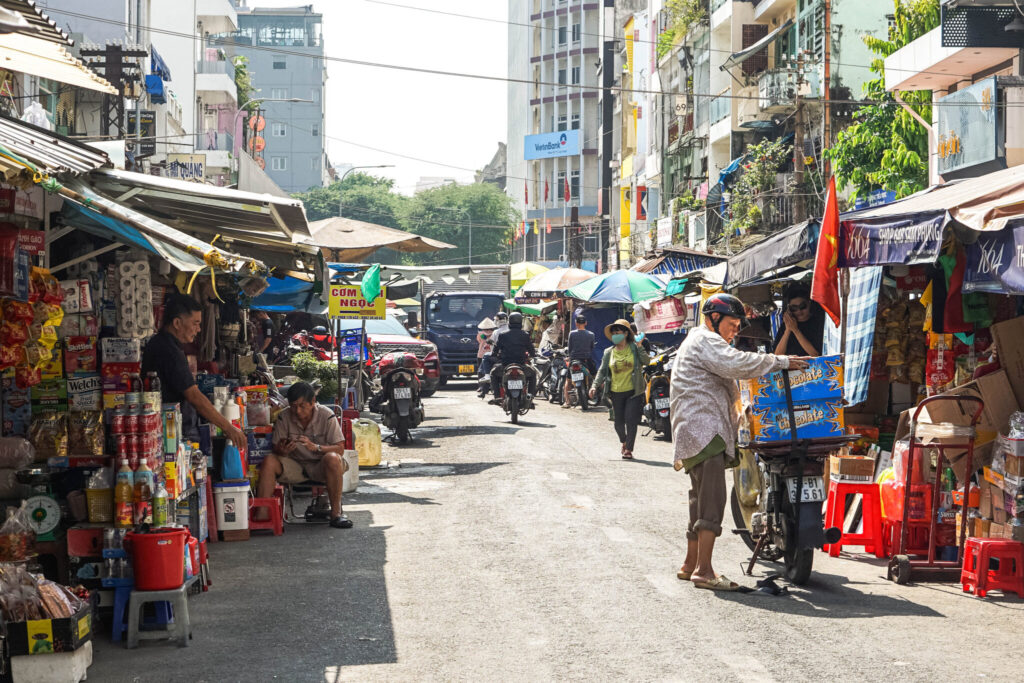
x=581, y=348
x=487, y=362
x=513, y=346
x=705, y=419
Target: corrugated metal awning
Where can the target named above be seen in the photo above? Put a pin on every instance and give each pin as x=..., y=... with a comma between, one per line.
x=50, y=153
x=737, y=58
x=39, y=25
x=47, y=59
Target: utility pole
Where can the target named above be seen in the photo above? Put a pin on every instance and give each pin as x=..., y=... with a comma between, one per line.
x=798, y=144
x=826, y=91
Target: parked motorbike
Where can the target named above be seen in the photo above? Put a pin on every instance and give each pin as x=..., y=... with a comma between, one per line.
x=656, y=406
x=515, y=400
x=555, y=375
x=398, y=401
x=543, y=364
x=283, y=348
x=577, y=375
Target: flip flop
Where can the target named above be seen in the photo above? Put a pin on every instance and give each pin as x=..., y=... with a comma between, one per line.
x=683, y=575
x=719, y=583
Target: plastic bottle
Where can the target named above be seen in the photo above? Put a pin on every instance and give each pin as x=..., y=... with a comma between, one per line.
x=160, y=505
x=123, y=496
x=144, y=494
x=152, y=383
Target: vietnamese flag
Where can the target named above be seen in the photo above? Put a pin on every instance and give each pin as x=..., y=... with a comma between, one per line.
x=545, y=189
x=549, y=226
x=526, y=193
x=825, y=285
x=567, y=189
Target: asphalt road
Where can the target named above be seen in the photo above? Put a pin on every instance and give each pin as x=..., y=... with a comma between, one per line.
x=493, y=552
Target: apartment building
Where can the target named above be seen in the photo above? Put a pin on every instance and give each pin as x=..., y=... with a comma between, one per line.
x=554, y=119
x=285, y=53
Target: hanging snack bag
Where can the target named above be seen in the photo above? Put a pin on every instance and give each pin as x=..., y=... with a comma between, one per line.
x=85, y=432
x=18, y=311
x=940, y=369
x=13, y=333
x=16, y=536
x=49, y=434
x=45, y=287
x=25, y=376
x=11, y=356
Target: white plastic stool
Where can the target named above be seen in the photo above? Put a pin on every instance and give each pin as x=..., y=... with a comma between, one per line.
x=180, y=627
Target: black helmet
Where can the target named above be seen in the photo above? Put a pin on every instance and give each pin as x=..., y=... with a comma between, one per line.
x=515, y=320
x=725, y=304
x=501, y=315
x=580, y=320
x=319, y=330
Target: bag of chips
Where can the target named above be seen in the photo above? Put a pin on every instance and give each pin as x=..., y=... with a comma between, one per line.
x=85, y=432
x=18, y=311
x=49, y=434
x=11, y=356
x=13, y=333
x=26, y=376
x=45, y=287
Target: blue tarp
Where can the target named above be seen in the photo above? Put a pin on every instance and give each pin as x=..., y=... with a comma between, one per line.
x=289, y=294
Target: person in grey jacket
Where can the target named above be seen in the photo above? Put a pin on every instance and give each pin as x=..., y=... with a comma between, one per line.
x=705, y=419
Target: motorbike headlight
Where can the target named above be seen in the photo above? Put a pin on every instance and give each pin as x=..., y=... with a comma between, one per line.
x=419, y=371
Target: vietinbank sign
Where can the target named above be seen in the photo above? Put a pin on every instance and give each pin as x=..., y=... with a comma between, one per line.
x=564, y=143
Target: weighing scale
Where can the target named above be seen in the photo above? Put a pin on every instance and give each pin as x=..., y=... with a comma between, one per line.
x=42, y=505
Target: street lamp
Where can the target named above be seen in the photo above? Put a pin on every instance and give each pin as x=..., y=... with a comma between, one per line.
x=343, y=175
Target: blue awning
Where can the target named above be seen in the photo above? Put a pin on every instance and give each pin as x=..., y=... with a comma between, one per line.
x=283, y=295
x=157, y=65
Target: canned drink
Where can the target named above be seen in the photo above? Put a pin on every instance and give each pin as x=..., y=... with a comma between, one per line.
x=121, y=445
x=134, y=446
x=149, y=422
x=117, y=421
x=131, y=423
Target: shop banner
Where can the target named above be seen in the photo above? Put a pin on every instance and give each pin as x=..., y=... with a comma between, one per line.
x=32, y=241
x=346, y=301
x=995, y=263
x=664, y=315
x=902, y=240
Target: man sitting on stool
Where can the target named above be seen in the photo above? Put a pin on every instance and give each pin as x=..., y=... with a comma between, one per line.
x=308, y=444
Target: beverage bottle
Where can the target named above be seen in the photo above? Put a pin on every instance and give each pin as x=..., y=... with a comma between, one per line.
x=135, y=383
x=143, y=494
x=160, y=505
x=123, y=496
x=152, y=382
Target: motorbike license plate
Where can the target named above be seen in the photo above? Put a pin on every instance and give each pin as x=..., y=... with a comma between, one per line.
x=515, y=384
x=403, y=392
x=813, y=491
x=577, y=377
x=661, y=403
x=467, y=369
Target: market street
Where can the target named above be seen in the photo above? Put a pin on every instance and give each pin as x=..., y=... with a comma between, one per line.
x=496, y=552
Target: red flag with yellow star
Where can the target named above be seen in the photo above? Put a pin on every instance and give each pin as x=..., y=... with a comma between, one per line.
x=825, y=285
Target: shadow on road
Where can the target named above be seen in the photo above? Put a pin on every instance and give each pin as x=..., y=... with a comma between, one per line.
x=652, y=463
x=402, y=484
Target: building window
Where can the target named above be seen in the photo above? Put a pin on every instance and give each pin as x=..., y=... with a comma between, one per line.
x=576, y=33
x=561, y=77
x=279, y=93
x=575, y=121
x=315, y=130
x=561, y=35
x=559, y=192
x=279, y=62
x=278, y=130
x=561, y=122
x=575, y=75
x=314, y=164
x=574, y=185
x=278, y=163
x=316, y=95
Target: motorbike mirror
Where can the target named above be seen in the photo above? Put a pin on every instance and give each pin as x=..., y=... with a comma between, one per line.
x=414, y=331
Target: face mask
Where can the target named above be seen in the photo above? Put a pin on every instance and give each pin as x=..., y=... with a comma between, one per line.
x=618, y=338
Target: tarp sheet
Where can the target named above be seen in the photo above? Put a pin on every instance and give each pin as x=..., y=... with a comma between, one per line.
x=283, y=295
x=793, y=245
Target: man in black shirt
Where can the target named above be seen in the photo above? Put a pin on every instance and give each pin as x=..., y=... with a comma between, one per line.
x=165, y=356
x=513, y=346
x=581, y=348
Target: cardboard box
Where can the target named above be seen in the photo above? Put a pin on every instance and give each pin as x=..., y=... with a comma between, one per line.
x=120, y=350
x=999, y=516
x=851, y=468
x=80, y=356
x=823, y=378
x=985, y=501
x=813, y=418
x=49, y=396
x=43, y=636
x=1007, y=336
x=85, y=393
x=53, y=368
x=15, y=409
x=116, y=376
x=982, y=527
x=996, y=530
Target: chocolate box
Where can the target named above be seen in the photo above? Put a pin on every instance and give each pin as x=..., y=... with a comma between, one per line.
x=44, y=636
x=822, y=379
x=818, y=418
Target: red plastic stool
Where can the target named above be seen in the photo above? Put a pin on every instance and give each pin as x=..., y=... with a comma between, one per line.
x=273, y=506
x=871, y=512
x=279, y=494
x=977, y=575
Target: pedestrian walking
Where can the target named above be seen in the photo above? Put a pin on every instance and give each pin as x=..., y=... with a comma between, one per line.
x=622, y=369
x=705, y=419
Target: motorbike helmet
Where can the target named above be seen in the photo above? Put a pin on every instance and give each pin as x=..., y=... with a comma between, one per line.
x=725, y=304
x=501, y=316
x=320, y=333
x=515, y=321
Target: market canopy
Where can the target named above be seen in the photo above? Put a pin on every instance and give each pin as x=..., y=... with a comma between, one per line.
x=618, y=287
x=794, y=245
x=539, y=308
x=523, y=271
x=552, y=283
x=354, y=241
x=677, y=261
x=51, y=154
x=287, y=294
x=48, y=59
x=737, y=58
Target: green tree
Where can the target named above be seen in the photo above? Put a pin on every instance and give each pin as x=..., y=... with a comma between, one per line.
x=886, y=148
x=362, y=197
x=447, y=214
x=244, y=88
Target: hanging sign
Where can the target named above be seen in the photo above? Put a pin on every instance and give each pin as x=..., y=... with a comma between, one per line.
x=346, y=301
x=664, y=315
x=995, y=262
x=901, y=241
x=32, y=242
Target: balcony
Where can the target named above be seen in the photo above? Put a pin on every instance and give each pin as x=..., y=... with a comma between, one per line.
x=777, y=88
x=215, y=81
x=720, y=108
x=217, y=16
x=217, y=147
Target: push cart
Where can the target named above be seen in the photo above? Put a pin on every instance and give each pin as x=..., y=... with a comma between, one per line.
x=947, y=435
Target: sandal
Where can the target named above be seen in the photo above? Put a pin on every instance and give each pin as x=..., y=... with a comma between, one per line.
x=627, y=455
x=683, y=575
x=341, y=522
x=719, y=583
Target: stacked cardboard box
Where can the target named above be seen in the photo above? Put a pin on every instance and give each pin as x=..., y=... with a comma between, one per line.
x=817, y=393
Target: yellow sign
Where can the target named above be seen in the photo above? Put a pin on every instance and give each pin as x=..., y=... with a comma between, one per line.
x=346, y=301
x=40, y=636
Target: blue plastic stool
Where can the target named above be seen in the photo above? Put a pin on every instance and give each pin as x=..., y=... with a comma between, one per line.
x=122, y=596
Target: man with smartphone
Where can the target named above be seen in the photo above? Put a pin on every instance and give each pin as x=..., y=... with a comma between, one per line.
x=308, y=445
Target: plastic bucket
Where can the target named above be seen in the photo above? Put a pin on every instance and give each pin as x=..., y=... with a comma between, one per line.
x=232, y=503
x=350, y=482
x=367, y=437
x=158, y=559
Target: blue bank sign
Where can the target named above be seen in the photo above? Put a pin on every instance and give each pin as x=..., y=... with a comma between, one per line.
x=565, y=143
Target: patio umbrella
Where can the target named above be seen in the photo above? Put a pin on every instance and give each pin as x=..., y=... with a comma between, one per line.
x=618, y=287
x=552, y=283
x=523, y=271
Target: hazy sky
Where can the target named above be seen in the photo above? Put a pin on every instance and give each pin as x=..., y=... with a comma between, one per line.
x=455, y=121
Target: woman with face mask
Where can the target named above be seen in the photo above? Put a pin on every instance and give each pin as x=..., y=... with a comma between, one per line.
x=622, y=368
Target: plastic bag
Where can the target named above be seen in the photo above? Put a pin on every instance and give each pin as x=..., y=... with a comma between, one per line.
x=19, y=595
x=15, y=453
x=57, y=601
x=11, y=356
x=18, y=311
x=17, y=540
x=85, y=432
x=26, y=376
x=49, y=434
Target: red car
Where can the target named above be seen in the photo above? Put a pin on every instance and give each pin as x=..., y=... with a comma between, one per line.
x=385, y=336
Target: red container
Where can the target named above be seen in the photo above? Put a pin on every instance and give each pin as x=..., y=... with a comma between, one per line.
x=117, y=422
x=158, y=558
x=121, y=445
x=149, y=423
x=193, y=551
x=131, y=423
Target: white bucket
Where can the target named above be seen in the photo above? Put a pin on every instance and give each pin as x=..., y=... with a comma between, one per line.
x=232, y=503
x=350, y=481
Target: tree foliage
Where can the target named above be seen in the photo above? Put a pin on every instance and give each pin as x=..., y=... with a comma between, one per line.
x=762, y=163
x=886, y=148
x=443, y=213
x=244, y=89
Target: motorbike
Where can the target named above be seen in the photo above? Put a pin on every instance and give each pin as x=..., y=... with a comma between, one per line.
x=515, y=400
x=577, y=375
x=656, y=406
x=543, y=364
x=398, y=401
x=282, y=348
x=553, y=378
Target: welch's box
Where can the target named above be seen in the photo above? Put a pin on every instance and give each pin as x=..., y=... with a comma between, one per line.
x=814, y=418
x=821, y=379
